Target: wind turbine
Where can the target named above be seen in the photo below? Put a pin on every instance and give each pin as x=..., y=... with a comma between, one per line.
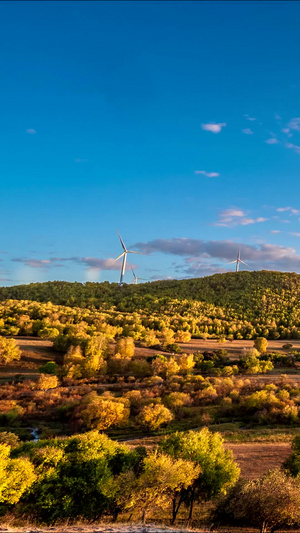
x=124, y=255
x=135, y=278
x=238, y=261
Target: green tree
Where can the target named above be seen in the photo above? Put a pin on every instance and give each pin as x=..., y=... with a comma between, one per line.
x=292, y=464
x=73, y=482
x=161, y=477
x=206, y=450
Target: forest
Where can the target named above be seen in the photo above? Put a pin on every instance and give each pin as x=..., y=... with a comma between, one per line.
x=241, y=306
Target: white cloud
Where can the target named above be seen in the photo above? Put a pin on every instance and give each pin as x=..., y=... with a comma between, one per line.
x=208, y=174
x=275, y=231
x=291, y=209
x=272, y=140
x=294, y=147
x=199, y=252
x=236, y=217
x=294, y=234
x=31, y=131
x=294, y=124
x=90, y=262
x=233, y=213
x=34, y=263
x=250, y=118
x=247, y=131
x=213, y=126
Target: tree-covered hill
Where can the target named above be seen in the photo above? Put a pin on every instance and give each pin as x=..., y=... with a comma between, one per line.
x=251, y=292
x=242, y=305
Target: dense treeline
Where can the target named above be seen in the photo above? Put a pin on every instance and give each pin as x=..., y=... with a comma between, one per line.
x=88, y=476
x=91, y=477
x=242, y=305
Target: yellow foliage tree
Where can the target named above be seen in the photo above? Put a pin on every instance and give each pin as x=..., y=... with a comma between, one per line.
x=9, y=350
x=125, y=347
x=16, y=476
x=46, y=382
x=153, y=416
x=102, y=413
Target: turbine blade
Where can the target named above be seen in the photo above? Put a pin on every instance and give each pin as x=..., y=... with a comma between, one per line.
x=133, y=272
x=230, y=262
x=121, y=241
x=119, y=256
x=244, y=263
x=131, y=252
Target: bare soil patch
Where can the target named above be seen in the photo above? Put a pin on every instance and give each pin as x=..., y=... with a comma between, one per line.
x=234, y=348
x=255, y=459
x=35, y=353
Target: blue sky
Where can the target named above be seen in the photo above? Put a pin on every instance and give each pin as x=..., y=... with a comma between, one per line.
x=175, y=122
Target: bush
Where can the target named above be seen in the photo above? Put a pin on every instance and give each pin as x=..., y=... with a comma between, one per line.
x=49, y=368
x=16, y=476
x=172, y=348
x=46, y=382
x=287, y=346
x=9, y=351
x=269, y=502
x=98, y=412
x=261, y=344
x=153, y=416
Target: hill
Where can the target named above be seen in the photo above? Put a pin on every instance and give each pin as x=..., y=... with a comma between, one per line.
x=265, y=301
x=243, y=289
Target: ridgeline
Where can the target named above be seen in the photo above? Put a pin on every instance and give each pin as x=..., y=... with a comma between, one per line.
x=237, y=290
x=263, y=296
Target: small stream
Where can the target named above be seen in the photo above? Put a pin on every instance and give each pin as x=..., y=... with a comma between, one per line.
x=35, y=434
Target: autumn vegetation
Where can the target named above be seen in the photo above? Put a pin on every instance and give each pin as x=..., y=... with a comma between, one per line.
x=119, y=370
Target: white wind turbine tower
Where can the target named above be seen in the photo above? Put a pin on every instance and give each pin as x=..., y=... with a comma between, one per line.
x=135, y=278
x=238, y=261
x=124, y=255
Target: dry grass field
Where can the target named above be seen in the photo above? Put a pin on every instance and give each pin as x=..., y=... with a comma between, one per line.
x=255, y=459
